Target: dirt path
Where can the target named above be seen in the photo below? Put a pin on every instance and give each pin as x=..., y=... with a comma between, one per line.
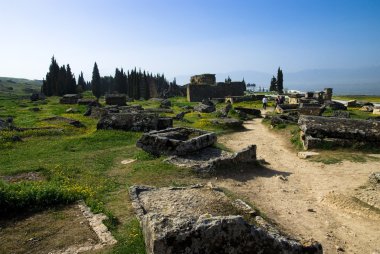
x=306, y=199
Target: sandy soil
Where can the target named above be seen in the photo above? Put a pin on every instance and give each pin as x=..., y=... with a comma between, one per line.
x=307, y=199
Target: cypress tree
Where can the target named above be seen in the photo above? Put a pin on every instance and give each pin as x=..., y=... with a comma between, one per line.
x=280, y=81
x=70, y=82
x=272, y=86
x=81, y=83
x=95, y=82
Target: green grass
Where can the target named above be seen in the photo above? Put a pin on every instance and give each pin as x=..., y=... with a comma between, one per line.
x=358, y=98
x=85, y=163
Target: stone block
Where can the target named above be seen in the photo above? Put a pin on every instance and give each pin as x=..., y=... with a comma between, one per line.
x=177, y=141
x=70, y=98
x=128, y=121
x=376, y=111
x=116, y=99
x=306, y=155
x=181, y=220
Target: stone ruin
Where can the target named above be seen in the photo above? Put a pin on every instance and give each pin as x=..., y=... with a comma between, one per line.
x=116, y=99
x=376, y=111
x=192, y=148
x=129, y=118
x=198, y=219
x=134, y=121
x=88, y=102
x=302, y=108
x=176, y=141
x=209, y=160
x=331, y=131
x=203, y=79
x=205, y=86
x=249, y=111
x=37, y=97
x=234, y=99
x=70, y=98
x=206, y=106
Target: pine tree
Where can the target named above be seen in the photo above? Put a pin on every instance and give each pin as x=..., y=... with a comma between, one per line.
x=280, y=81
x=95, y=82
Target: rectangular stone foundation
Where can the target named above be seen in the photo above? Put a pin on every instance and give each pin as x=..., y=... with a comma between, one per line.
x=176, y=141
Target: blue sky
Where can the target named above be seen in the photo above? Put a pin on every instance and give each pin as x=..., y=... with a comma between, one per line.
x=187, y=37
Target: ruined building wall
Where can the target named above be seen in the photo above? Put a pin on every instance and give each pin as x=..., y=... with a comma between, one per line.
x=203, y=79
x=198, y=92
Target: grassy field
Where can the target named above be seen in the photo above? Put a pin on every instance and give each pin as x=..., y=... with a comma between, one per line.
x=84, y=163
x=367, y=98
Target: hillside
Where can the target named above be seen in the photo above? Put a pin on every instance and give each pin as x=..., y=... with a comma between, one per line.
x=19, y=86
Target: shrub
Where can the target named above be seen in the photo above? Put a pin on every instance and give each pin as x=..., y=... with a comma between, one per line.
x=24, y=196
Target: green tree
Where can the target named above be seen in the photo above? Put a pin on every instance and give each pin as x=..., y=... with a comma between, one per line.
x=273, y=86
x=280, y=81
x=70, y=82
x=81, y=83
x=95, y=82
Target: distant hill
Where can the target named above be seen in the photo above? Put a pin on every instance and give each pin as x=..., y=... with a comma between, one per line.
x=19, y=85
x=365, y=81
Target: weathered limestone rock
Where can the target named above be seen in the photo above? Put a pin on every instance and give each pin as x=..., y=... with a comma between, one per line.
x=89, y=102
x=352, y=103
x=341, y=114
x=311, y=109
x=130, y=122
x=206, y=106
x=306, y=155
x=376, y=111
x=374, y=178
x=164, y=123
x=180, y=116
x=196, y=220
x=70, y=98
x=366, y=108
x=116, y=99
x=165, y=104
x=173, y=141
x=229, y=122
x=249, y=111
x=203, y=79
x=209, y=160
x=338, y=131
x=159, y=110
x=334, y=105
x=224, y=111
x=285, y=108
x=37, y=96
x=284, y=119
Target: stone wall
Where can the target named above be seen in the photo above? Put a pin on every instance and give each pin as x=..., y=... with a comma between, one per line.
x=203, y=79
x=197, y=92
